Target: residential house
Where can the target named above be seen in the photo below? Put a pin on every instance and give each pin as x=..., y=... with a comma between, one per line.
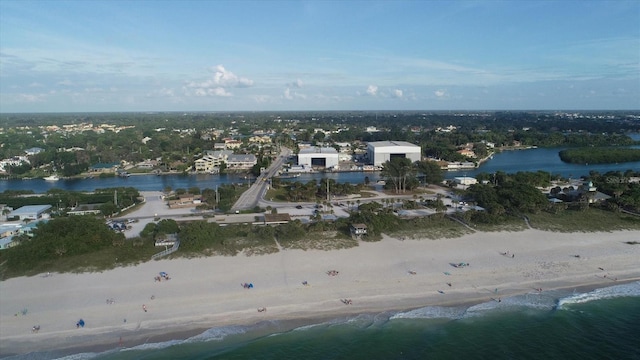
x=104, y=167
x=212, y=160
x=33, y=151
x=467, y=153
x=241, y=161
x=232, y=144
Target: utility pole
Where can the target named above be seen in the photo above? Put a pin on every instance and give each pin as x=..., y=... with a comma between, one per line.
x=328, y=196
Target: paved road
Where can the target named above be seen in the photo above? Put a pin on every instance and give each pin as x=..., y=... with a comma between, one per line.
x=250, y=198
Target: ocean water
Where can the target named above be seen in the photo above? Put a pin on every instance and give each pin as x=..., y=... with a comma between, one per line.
x=599, y=324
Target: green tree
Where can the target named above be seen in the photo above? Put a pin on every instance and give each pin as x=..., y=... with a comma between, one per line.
x=397, y=173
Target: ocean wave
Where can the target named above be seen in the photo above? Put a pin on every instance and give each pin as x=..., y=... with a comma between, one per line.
x=81, y=356
x=311, y=326
x=364, y=321
x=530, y=301
x=153, y=346
x=533, y=301
x=622, y=290
x=219, y=333
x=213, y=334
x=431, y=312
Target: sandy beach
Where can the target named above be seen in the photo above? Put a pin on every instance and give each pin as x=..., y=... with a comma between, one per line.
x=127, y=306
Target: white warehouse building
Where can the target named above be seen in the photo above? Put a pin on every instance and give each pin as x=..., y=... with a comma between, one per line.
x=379, y=152
x=325, y=157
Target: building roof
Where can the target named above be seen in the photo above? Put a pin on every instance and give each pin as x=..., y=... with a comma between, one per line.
x=318, y=150
x=241, y=158
x=391, y=143
x=29, y=209
x=276, y=218
x=104, y=165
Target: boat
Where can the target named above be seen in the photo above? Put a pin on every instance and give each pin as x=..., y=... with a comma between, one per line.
x=52, y=178
x=288, y=176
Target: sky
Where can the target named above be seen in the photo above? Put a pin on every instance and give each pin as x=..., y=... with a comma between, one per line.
x=120, y=56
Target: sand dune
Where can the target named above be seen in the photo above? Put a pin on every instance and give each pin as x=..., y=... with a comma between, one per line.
x=387, y=275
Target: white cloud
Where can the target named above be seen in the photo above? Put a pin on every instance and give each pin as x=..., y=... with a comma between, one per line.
x=218, y=91
x=440, y=93
x=217, y=85
x=372, y=90
x=397, y=93
x=290, y=95
x=225, y=78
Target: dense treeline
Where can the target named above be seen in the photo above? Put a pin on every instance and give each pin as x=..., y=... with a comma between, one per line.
x=624, y=188
x=112, y=199
x=59, y=238
x=599, y=155
x=177, y=149
x=313, y=190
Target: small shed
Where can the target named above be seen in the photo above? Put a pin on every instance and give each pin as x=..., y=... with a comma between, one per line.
x=274, y=219
x=358, y=229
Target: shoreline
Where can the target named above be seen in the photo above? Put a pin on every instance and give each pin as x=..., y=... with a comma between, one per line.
x=203, y=293
x=180, y=332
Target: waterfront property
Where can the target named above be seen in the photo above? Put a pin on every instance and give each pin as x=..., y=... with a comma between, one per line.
x=321, y=157
x=379, y=152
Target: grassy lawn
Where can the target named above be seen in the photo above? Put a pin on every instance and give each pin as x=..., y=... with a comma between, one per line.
x=279, y=194
x=590, y=220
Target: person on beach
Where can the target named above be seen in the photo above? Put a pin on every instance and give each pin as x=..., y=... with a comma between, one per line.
x=144, y=307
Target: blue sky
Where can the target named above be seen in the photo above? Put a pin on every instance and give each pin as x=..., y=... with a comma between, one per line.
x=77, y=56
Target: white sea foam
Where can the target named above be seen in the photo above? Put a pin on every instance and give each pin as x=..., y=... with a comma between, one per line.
x=431, y=312
x=154, y=346
x=81, y=356
x=623, y=290
x=309, y=327
x=218, y=333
